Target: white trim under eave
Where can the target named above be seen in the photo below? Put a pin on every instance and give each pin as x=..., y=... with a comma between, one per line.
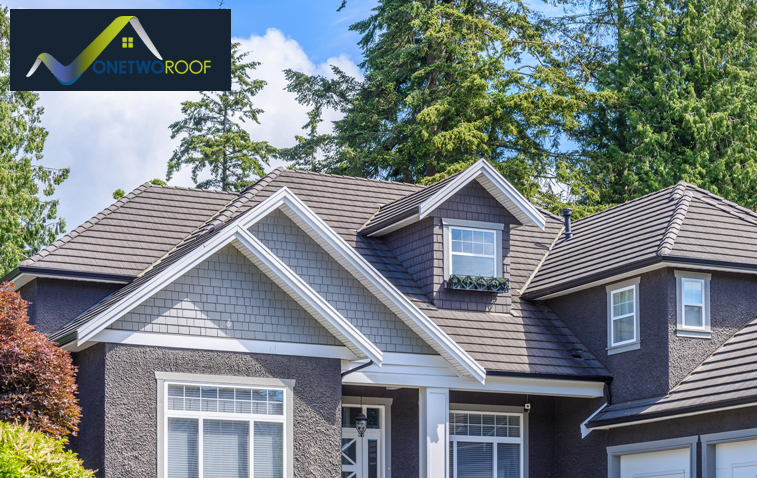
x=218, y=344
x=673, y=417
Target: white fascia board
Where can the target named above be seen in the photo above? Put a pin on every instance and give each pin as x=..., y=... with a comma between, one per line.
x=498, y=186
x=273, y=267
x=380, y=286
x=218, y=344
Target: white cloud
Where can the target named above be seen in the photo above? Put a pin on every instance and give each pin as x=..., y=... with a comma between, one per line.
x=113, y=140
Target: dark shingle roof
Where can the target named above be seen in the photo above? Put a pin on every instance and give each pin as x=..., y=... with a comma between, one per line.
x=681, y=223
x=529, y=340
x=132, y=233
x=728, y=377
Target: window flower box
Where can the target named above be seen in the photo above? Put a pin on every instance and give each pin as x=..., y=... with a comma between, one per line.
x=478, y=283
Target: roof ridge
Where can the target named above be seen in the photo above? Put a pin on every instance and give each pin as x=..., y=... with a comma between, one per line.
x=44, y=252
x=747, y=213
x=681, y=194
x=714, y=352
x=340, y=176
x=187, y=188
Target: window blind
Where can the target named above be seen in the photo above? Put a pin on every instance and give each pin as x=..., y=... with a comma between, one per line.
x=268, y=449
x=474, y=460
x=225, y=449
x=183, y=453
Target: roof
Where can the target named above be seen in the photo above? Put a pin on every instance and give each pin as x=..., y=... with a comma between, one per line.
x=727, y=378
x=416, y=206
x=682, y=223
x=530, y=340
x=132, y=233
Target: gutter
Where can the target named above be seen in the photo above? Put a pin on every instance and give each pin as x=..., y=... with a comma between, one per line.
x=35, y=272
x=551, y=376
x=358, y=368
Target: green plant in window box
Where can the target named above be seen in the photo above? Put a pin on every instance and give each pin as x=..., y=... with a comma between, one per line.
x=478, y=283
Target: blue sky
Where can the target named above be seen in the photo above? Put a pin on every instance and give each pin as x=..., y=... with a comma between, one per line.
x=118, y=140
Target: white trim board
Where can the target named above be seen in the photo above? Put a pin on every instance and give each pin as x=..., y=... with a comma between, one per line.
x=489, y=178
x=238, y=235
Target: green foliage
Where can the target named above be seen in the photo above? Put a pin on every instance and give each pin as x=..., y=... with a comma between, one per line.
x=37, y=378
x=118, y=194
x=446, y=83
x=683, y=103
x=158, y=182
x=28, y=221
x=27, y=454
x=212, y=135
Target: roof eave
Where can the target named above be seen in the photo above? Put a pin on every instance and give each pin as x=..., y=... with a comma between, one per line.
x=22, y=275
x=551, y=376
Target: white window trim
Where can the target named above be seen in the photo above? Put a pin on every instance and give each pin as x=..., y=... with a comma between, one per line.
x=450, y=224
x=385, y=404
x=164, y=378
x=492, y=410
x=635, y=344
x=682, y=330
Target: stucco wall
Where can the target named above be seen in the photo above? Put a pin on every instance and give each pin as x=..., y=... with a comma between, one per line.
x=335, y=284
x=90, y=378
x=131, y=404
x=55, y=302
x=226, y=296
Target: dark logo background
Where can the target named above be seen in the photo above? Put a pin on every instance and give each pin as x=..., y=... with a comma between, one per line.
x=202, y=35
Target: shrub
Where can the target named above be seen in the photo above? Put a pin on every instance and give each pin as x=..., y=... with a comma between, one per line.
x=25, y=454
x=37, y=379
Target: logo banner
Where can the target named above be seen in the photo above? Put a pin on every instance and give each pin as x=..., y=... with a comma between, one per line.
x=120, y=50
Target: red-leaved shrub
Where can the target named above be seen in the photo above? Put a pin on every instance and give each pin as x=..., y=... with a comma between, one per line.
x=37, y=379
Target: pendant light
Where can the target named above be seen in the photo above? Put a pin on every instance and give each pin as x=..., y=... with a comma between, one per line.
x=361, y=421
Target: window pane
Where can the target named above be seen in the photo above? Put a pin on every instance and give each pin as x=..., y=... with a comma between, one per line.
x=372, y=459
x=349, y=415
x=451, y=459
x=349, y=451
x=269, y=450
x=473, y=266
x=508, y=460
x=183, y=456
x=457, y=235
x=692, y=316
x=374, y=417
x=622, y=303
x=474, y=460
x=692, y=292
x=225, y=449
x=622, y=330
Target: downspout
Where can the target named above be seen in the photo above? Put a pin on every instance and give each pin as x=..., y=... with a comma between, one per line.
x=357, y=369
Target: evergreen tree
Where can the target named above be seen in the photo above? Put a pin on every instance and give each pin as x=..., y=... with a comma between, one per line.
x=212, y=133
x=446, y=83
x=28, y=219
x=685, y=103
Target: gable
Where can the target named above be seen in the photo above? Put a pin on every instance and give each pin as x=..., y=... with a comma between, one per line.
x=338, y=286
x=226, y=295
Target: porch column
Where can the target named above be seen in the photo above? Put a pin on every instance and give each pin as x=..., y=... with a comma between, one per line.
x=434, y=432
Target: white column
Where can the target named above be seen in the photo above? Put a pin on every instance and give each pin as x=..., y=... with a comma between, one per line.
x=434, y=432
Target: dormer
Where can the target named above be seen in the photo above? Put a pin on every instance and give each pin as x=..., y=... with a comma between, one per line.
x=454, y=237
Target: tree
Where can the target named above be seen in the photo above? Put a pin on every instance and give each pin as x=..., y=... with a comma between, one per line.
x=37, y=378
x=213, y=137
x=28, y=221
x=685, y=105
x=446, y=83
x=25, y=453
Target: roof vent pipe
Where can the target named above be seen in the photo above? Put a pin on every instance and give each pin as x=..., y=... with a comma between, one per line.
x=566, y=213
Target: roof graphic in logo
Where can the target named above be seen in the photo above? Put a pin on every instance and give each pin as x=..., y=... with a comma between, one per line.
x=70, y=73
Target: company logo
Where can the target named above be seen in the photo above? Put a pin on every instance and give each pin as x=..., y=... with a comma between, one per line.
x=70, y=73
x=200, y=56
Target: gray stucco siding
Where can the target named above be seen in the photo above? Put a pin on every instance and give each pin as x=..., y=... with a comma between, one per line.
x=89, y=443
x=130, y=438
x=337, y=285
x=226, y=296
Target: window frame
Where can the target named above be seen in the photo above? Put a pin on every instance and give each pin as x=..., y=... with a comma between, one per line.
x=164, y=379
x=683, y=330
x=491, y=410
x=496, y=228
x=628, y=345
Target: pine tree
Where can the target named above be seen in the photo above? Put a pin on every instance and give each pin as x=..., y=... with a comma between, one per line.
x=28, y=220
x=685, y=105
x=446, y=82
x=212, y=133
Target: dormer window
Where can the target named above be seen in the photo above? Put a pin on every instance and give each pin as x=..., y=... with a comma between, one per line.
x=473, y=252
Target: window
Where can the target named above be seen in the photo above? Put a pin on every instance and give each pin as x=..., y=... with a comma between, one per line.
x=472, y=248
x=623, y=316
x=127, y=42
x=486, y=445
x=224, y=431
x=693, y=293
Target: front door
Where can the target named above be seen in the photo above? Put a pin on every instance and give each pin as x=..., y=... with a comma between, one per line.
x=362, y=457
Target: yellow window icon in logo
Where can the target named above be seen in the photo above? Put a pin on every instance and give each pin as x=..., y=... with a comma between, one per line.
x=127, y=42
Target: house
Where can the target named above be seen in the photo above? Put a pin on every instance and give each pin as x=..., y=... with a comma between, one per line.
x=464, y=331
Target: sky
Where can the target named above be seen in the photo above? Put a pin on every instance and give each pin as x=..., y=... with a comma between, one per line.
x=119, y=140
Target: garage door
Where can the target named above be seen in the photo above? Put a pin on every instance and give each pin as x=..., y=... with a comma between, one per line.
x=736, y=460
x=659, y=464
